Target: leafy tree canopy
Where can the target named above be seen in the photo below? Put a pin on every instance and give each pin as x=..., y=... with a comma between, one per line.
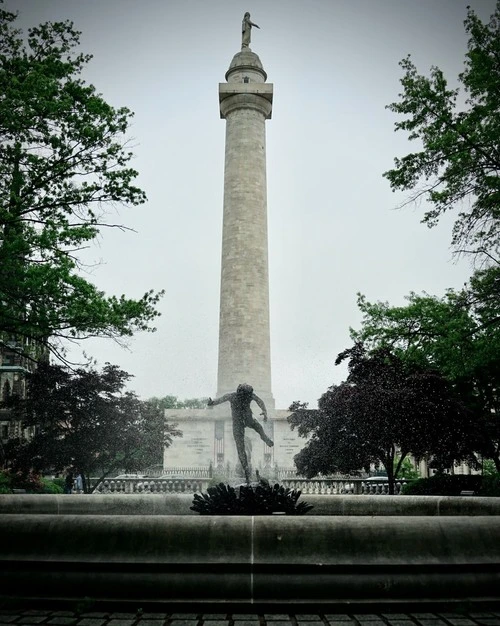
x=173, y=402
x=458, y=165
x=384, y=411
x=85, y=419
x=63, y=160
x=457, y=334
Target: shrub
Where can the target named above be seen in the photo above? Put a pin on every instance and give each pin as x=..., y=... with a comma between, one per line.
x=262, y=499
x=30, y=482
x=490, y=486
x=5, y=482
x=443, y=485
x=489, y=468
x=60, y=482
x=50, y=486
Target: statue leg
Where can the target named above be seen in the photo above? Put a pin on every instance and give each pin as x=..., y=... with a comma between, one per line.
x=239, y=440
x=257, y=426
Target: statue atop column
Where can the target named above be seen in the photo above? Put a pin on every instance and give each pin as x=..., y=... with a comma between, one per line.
x=246, y=30
x=242, y=417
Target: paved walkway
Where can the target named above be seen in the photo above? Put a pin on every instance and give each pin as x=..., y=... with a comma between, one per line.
x=12, y=617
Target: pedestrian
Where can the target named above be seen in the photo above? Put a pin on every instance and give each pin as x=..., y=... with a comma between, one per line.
x=68, y=482
x=79, y=483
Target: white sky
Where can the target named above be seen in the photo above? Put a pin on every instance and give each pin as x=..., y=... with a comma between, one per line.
x=333, y=230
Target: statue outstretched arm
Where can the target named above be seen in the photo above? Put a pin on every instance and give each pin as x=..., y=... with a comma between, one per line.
x=252, y=24
x=261, y=405
x=225, y=398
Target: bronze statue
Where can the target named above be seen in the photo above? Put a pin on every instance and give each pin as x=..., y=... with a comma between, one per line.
x=242, y=417
x=246, y=30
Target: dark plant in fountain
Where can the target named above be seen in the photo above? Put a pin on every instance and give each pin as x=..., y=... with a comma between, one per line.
x=259, y=499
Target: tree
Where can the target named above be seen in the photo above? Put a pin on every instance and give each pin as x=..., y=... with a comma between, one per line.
x=173, y=402
x=384, y=411
x=406, y=469
x=458, y=335
x=84, y=419
x=63, y=160
x=459, y=163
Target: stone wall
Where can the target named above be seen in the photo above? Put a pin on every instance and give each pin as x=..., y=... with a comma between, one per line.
x=250, y=560
x=179, y=504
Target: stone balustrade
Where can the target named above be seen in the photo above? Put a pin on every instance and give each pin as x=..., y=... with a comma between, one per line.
x=324, y=486
x=186, y=472
x=152, y=485
x=338, y=486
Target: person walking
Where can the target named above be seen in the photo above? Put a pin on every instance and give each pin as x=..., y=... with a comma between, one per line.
x=68, y=482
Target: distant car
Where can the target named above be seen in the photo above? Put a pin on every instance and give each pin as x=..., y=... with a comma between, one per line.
x=128, y=476
x=378, y=479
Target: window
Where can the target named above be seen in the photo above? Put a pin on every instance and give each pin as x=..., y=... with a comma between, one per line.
x=6, y=390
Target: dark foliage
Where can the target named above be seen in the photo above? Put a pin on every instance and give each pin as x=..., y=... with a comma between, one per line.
x=385, y=410
x=490, y=486
x=86, y=419
x=458, y=335
x=443, y=485
x=262, y=499
x=29, y=482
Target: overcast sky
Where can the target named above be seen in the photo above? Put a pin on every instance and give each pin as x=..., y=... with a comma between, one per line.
x=333, y=227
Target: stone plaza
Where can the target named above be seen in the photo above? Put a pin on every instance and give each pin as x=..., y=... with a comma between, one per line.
x=47, y=617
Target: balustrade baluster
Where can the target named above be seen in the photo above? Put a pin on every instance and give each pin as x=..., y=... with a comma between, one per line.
x=195, y=481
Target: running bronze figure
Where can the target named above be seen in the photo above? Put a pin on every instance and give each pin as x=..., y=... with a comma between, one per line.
x=242, y=418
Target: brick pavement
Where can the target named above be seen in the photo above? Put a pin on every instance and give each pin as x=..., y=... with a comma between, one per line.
x=46, y=617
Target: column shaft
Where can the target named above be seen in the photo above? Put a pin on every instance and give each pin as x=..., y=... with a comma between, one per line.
x=244, y=336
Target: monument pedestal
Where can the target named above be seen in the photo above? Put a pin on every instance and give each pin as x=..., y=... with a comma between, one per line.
x=208, y=441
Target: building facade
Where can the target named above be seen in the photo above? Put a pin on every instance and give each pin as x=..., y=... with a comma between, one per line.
x=14, y=365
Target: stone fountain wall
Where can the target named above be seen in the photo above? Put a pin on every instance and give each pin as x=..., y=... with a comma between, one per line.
x=378, y=550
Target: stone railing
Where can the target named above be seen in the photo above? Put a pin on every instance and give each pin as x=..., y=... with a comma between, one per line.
x=342, y=486
x=187, y=472
x=152, y=485
x=314, y=486
x=158, y=471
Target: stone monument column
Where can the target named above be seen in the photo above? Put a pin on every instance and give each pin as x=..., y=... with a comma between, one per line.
x=244, y=342
x=244, y=337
